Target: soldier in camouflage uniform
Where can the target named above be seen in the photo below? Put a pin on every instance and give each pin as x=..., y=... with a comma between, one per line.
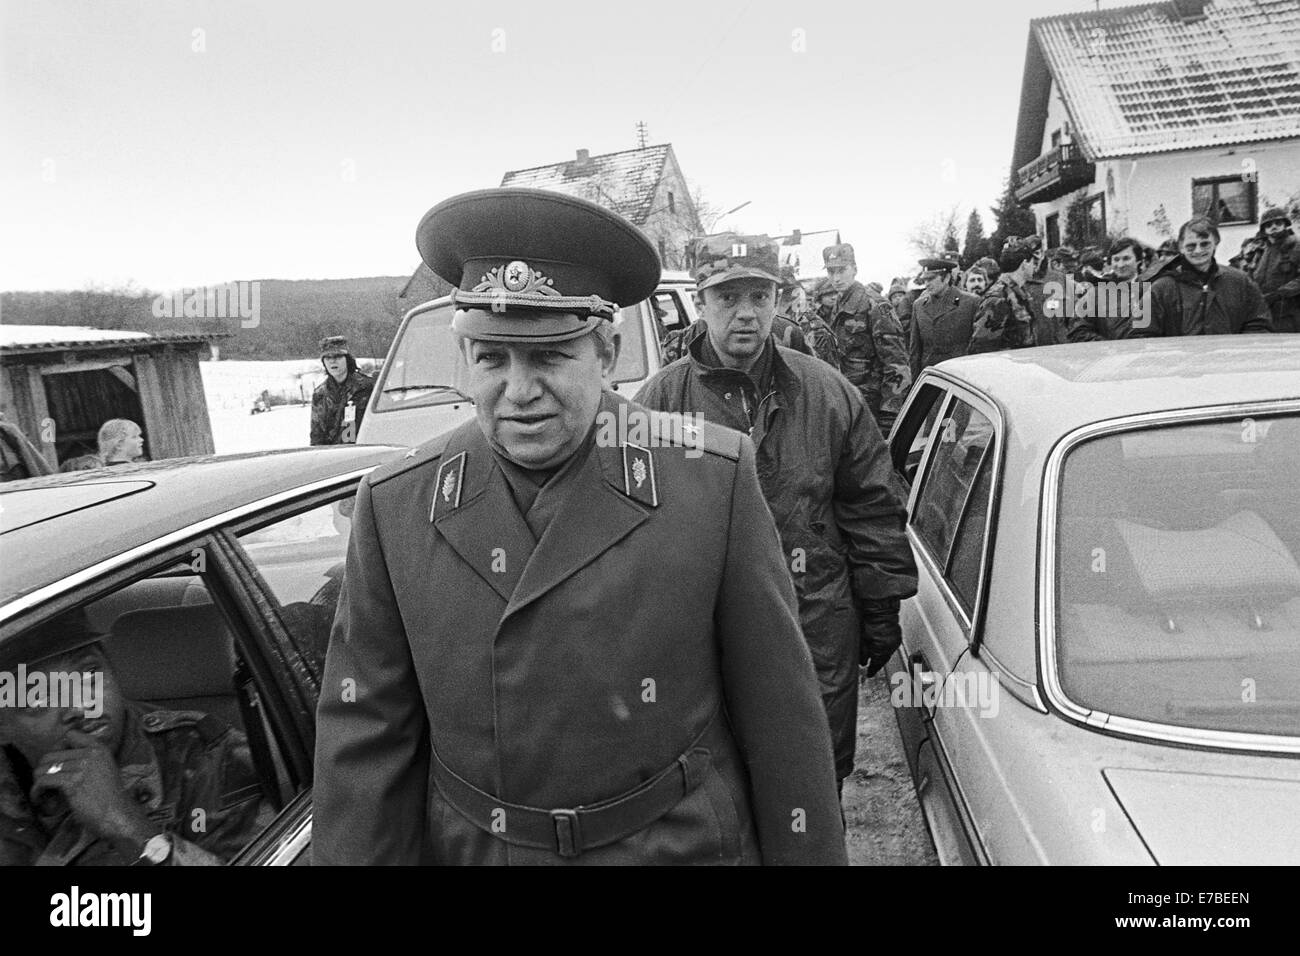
x=816, y=325
x=128, y=786
x=873, y=354
x=1005, y=317
x=339, y=403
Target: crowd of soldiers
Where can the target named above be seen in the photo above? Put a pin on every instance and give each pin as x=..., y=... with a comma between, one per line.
x=1029, y=296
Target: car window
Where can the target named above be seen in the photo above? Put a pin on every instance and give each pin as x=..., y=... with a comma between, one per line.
x=632, y=365
x=1178, y=575
x=964, y=564
x=670, y=312
x=152, y=678
x=301, y=559
x=907, y=445
x=961, y=439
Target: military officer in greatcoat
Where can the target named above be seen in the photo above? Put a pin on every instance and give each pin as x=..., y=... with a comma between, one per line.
x=943, y=317
x=566, y=633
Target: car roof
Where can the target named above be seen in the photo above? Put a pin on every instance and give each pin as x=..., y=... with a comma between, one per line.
x=1047, y=391
x=54, y=526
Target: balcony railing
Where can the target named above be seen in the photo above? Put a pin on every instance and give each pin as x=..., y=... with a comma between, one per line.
x=1058, y=171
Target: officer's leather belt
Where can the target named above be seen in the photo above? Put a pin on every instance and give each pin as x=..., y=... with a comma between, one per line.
x=570, y=832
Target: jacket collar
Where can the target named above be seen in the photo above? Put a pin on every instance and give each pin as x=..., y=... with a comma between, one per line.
x=784, y=382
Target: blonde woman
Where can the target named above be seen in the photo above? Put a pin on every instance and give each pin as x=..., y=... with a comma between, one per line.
x=120, y=442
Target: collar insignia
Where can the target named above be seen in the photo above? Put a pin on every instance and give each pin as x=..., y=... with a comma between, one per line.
x=639, y=475
x=446, y=490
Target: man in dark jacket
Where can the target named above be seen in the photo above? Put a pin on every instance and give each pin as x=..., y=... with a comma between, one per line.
x=566, y=632
x=1191, y=294
x=823, y=465
x=339, y=403
x=1277, y=271
x=942, y=318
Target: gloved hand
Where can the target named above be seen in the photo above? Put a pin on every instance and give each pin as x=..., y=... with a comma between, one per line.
x=881, y=633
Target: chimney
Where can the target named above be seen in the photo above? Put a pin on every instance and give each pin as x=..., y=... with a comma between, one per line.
x=1189, y=10
x=584, y=157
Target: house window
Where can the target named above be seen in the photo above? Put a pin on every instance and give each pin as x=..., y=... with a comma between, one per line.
x=672, y=203
x=1228, y=200
x=1054, y=230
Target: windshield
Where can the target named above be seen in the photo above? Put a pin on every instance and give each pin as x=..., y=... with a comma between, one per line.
x=426, y=366
x=1178, y=583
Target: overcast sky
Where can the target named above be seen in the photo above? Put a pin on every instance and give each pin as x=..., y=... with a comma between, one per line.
x=187, y=143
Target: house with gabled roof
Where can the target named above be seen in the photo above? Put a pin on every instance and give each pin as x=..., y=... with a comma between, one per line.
x=1134, y=119
x=645, y=186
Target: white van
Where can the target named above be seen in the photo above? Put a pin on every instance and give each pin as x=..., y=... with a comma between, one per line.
x=419, y=394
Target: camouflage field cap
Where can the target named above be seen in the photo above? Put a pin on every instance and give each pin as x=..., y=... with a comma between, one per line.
x=729, y=255
x=839, y=256
x=529, y=265
x=334, y=345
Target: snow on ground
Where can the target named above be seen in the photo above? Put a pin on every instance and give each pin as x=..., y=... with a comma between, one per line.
x=232, y=387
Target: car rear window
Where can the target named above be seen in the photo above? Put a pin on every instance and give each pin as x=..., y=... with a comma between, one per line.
x=1178, y=575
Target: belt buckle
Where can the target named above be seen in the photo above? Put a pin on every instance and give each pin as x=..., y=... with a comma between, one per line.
x=568, y=835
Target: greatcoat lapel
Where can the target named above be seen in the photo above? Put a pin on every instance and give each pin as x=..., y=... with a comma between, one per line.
x=486, y=528
x=594, y=516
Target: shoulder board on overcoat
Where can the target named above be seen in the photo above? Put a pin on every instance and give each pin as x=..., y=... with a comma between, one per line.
x=430, y=451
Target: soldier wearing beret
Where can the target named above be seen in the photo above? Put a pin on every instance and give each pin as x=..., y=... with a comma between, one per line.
x=566, y=633
x=339, y=403
x=943, y=317
x=1005, y=318
x=873, y=352
x=823, y=464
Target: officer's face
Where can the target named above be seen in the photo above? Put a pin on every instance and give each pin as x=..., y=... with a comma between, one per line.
x=537, y=400
x=739, y=318
x=841, y=276
x=935, y=281
x=1124, y=263
x=96, y=708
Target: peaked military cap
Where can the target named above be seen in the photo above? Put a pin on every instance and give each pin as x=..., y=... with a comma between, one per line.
x=729, y=255
x=937, y=264
x=529, y=265
x=838, y=256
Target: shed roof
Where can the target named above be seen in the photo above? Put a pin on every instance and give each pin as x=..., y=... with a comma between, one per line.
x=55, y=338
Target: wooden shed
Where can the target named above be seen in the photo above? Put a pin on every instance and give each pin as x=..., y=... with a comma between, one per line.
x=60, y=383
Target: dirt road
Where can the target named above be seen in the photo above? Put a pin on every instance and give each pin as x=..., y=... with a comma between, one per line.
x=884, y=820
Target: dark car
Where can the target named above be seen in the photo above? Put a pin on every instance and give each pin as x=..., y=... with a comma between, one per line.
x=211, y=585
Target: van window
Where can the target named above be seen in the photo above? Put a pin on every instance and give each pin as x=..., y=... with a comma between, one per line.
x=425, y=365
x=632, y=365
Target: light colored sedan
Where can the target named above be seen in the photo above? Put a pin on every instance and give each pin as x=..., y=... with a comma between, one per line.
x=1102, y=663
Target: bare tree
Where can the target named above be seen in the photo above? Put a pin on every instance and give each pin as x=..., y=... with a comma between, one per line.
x=929, y=237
